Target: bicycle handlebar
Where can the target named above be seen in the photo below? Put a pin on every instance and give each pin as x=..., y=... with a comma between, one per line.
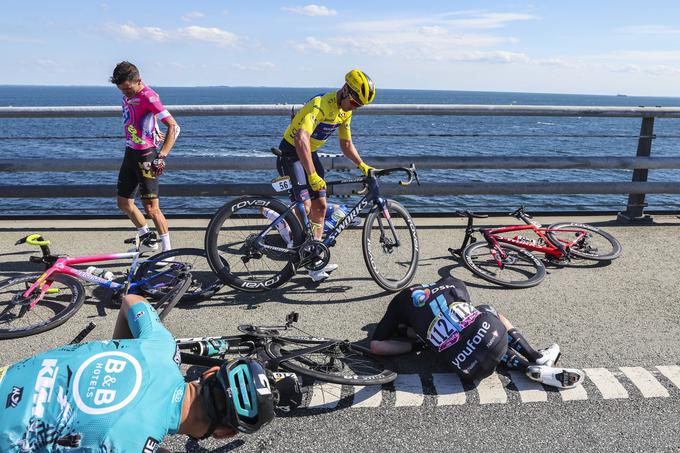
x=33, y=239
x=410, y=173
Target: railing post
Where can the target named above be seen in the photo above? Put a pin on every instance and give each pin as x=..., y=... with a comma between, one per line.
x=636, y=201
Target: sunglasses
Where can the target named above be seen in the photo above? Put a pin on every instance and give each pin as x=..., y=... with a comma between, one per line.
x=353, y=98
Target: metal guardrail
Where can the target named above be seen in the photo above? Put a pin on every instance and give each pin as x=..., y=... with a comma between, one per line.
x=636, y=189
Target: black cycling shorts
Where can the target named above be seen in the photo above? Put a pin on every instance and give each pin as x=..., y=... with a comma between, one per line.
x=136, y=172
x=290, y=165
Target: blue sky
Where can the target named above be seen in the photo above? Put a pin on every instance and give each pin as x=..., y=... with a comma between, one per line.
x=590, y=47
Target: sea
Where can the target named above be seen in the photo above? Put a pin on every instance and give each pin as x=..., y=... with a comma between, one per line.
x=41, y=140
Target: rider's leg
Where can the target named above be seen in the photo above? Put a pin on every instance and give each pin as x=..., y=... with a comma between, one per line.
x=127, y=205
x=517, y=342
x=152, y=208
x=316, y=216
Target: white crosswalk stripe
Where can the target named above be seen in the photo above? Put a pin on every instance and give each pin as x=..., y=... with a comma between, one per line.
x=578, y=393
x=325, y=396
x=491, y=391
x=606, y=383
x=672, y=372
x=529, y=391
x=369, y=396
x=645, y=382
x=408, y=389
x=449, y=389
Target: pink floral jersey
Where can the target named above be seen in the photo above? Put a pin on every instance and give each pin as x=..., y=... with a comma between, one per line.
x=139, y=118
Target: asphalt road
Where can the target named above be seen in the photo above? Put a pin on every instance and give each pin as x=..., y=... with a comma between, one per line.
x=619, y=321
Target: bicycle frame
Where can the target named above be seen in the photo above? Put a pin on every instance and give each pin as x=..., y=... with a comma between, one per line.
x=373, y=195
x=494, y=238
x=63, y=266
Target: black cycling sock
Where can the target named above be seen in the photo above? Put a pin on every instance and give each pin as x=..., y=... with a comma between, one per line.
x=517, y=342
x=512, y=360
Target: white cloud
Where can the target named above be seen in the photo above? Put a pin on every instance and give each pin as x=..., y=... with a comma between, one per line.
x=649, y=30
x=212, y=35
x=192, y=15
x=47, y=63
x=310, y=10
x=256, y=67
x=104, y=6
x=312, y=44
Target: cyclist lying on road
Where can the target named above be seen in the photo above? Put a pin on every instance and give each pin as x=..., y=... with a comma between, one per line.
x=473, y=339
x=126, y=394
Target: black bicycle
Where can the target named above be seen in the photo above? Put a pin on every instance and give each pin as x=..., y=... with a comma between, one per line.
x=289, y=348
x=250, y=252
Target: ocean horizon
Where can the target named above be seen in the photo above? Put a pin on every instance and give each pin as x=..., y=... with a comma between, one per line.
x=72, y=138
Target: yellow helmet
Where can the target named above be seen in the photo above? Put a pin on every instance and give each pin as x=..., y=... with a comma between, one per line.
x=361, y=87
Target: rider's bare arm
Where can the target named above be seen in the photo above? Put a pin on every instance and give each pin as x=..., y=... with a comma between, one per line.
x=390, y=347
x=304, y=151
x=122, y=330
x=170, y=135
x=350, y=151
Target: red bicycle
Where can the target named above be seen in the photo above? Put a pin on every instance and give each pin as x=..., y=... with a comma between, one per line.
x=509, y=261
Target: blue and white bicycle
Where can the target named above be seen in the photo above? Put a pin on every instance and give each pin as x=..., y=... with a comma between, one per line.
x=257, y=243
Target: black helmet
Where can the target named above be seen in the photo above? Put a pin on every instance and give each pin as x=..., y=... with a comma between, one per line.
x=238, y=396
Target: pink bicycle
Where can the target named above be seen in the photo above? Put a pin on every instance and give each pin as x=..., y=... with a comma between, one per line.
x=34, y=303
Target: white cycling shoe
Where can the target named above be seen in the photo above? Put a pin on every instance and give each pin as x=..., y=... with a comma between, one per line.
x=563, y=378
x=324, y=273
x=549, y=355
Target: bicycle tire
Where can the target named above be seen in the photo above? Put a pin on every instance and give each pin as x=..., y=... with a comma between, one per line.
x=334, y=363
x=487, y=268
x=71, y=295
x=585, y=248
x=204, y=284
x=381, y=258
x=172, y=297
x=230, y=254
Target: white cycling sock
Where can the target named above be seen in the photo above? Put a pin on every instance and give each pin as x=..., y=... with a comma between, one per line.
x=282, y=227
x=165, y=240
x=143, y=230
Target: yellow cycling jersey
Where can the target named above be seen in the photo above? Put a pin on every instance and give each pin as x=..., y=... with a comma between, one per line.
x=320, y=117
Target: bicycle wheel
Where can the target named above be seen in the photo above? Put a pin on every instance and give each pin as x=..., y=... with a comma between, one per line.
x=596, y=245
x=521, y=269
x=158, y=274
x=238, y=257
x=339, y=362
x=64, y=298
x=390, y=246
x=173, y=296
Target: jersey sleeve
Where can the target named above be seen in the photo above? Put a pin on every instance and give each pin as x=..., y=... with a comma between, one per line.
x=344, y=131
x=311, y=114
x=389, y=324
x=156, y=106
x=144, y=322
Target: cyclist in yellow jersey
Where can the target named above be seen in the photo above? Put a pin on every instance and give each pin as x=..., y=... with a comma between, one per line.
x=311, y=127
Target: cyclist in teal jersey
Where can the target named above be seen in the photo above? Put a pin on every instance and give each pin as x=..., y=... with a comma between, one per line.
x=126, y=394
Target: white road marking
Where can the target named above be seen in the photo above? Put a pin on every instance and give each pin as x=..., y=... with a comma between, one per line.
x=449, y=389
x=368, y=396
x=491, y=390
x=530, y=391
x=606, y=383
x=645, y=381
x=325, y=395
x=672, y=372
x=578, y=393
x=408, y=390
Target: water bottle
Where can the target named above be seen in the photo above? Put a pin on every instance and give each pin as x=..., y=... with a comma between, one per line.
x=334, y=215
x=98, y=272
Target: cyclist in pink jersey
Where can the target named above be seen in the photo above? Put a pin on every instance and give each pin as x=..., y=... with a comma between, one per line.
x=143, y=163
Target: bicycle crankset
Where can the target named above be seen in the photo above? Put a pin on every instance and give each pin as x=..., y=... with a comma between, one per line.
x=314, y=255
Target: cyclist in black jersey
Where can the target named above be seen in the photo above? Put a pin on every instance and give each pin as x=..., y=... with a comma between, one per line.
x=472, y=339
